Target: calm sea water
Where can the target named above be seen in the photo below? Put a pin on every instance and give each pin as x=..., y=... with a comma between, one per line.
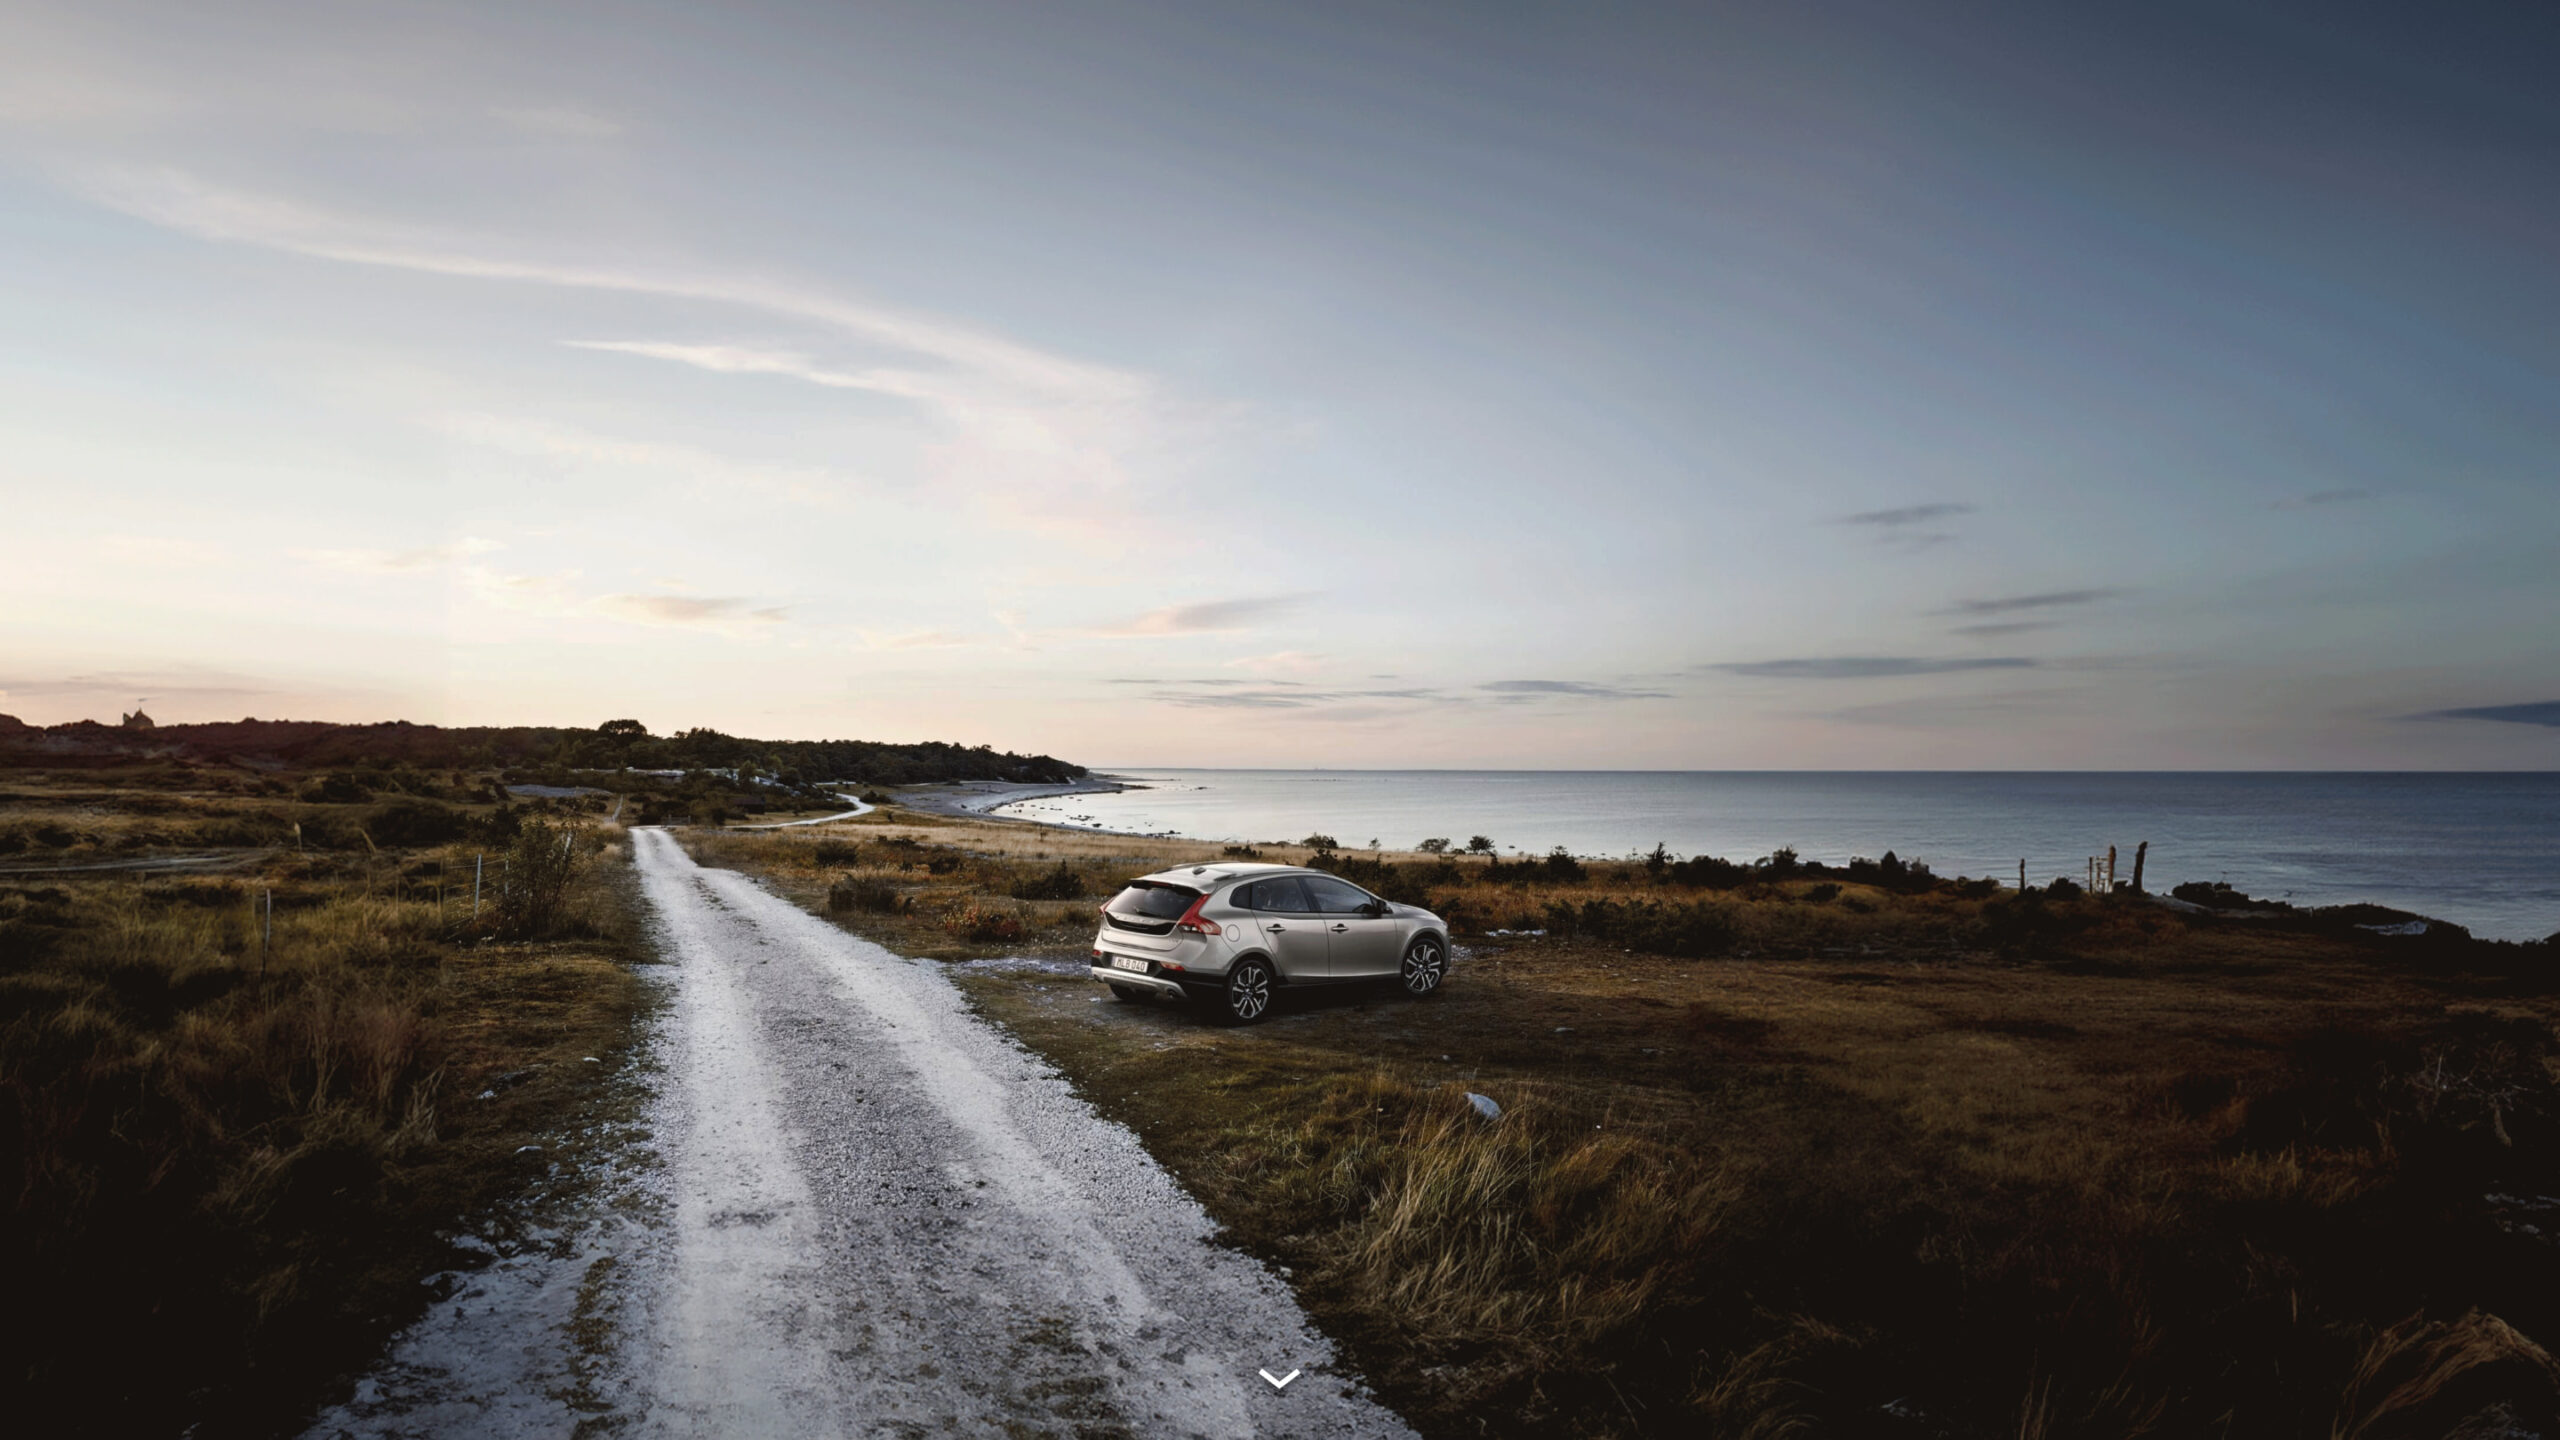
x=2482, y=850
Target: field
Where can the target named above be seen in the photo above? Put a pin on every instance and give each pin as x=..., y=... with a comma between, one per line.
x=1789, y=1154
x=260, y=1060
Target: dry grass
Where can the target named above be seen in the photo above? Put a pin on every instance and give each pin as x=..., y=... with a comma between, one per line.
x=1900, y=1164
x=228, y=1146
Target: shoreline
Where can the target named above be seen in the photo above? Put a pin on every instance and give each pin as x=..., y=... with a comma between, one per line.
x=979, y=799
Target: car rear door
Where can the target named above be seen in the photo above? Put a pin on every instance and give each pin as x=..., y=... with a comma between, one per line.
x=1364, y=946
x=1291, y=929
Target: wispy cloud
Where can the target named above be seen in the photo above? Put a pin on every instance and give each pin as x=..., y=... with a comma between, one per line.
x=1865, y=667
x=2319, y=499
x=1206, y=616
x=1031, y=437
x=1906, y=516
x=1908, y=527
x=2011, y=604
x=1571, y=689
x=2004, y=627
x=2545, y=713
x=697, y=612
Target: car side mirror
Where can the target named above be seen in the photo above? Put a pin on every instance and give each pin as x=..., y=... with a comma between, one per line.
x=1375, y=909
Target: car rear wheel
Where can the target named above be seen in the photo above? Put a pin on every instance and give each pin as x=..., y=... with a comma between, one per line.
x=1248, y=993
x=1131, y=993
x=1426, y=964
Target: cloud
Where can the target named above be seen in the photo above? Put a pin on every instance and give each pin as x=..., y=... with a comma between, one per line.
x=1906, y=516
x=398, y=562
x=1031, y=438
x=2010, y=604
x=1576, y=689
x=1207, y=616
x=2320, y=498
x=1238, y=700
x=2545, y=713
x=1294, y=661
x=1873, y=667
x=747, y=360
x=686, y=611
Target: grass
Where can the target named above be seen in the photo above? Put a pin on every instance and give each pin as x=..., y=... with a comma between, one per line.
x=1825, y=1156
x=228, y=1144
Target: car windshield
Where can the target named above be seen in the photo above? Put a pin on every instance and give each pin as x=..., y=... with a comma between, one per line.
x=1147, y=900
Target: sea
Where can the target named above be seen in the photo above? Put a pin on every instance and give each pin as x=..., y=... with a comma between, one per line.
x=2480, y=850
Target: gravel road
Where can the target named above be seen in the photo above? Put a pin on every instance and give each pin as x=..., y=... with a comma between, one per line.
x=860, y=1211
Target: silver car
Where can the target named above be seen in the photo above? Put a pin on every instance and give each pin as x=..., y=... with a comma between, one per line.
x=1233, y=934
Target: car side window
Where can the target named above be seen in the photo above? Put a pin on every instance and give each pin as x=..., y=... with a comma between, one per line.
x=1335, y=897
x=1279, y=896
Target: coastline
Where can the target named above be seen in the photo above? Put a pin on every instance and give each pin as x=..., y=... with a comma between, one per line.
x=980, y=799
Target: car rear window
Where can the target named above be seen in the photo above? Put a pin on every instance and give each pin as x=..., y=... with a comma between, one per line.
x=1147, y=901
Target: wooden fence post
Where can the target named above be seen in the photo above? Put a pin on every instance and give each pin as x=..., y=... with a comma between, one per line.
x=2140, y=852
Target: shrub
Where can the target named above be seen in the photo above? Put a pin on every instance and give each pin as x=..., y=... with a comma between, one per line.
x=1321, y=843
x=835, y=853
x=1438, y=845
x=1560, y=868
x=534, y=879
x=1241, y=852
x=1706, y=872
x=1063, y=883
x=406, y=822
x=984, y=923
x=1823, y=894
x=1687, y=931
x=869, y=897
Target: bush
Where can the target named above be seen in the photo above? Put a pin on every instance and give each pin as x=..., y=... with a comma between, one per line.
x=1321, y=843
x=1687, y=931
x=1062, y=883
x=835, y=853
x=1241, y=852
x=409, y=822
x=534, y=876
x=984, y=923
x=1823, y=894
x=869, y=897
x=1560, y=868
x=1437, y=845
x=1706, y=872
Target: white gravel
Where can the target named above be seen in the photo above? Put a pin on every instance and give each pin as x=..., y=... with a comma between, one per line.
x=876, y=1215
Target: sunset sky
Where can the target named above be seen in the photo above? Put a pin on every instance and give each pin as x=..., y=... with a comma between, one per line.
x=1720, y=386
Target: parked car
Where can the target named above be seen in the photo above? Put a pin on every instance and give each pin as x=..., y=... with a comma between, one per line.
x=1232, y=936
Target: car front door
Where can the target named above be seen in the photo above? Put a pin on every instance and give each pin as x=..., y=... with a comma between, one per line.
x=1364, y=945
x=1291, y=929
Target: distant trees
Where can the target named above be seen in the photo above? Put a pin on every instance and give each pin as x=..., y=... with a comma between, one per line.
x=1436, y=846
x=1479, y=845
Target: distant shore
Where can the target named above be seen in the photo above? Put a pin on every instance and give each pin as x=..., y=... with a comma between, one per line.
x=979, y=798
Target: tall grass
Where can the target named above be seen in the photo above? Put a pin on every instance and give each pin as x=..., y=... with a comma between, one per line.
x=212, y=1137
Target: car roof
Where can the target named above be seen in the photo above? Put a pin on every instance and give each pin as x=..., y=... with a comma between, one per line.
x=1203, y=877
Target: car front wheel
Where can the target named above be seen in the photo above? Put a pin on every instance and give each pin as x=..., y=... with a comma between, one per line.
x=1248, y=993
x=1426, y=964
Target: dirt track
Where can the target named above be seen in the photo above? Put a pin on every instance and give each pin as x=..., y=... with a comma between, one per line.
x=860, y=1211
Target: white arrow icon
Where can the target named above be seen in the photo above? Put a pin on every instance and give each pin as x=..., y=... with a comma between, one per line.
x=1280, y=1382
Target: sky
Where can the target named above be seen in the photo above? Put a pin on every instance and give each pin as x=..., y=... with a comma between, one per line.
x=1826, y=385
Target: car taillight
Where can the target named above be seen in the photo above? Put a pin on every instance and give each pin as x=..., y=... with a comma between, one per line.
x=1192, y=922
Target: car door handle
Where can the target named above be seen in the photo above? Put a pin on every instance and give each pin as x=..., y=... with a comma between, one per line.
x=1338, y=929
x=1276, y=929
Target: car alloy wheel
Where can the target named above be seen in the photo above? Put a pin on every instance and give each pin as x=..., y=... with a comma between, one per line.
x=1425, y=964
x=1248, y=992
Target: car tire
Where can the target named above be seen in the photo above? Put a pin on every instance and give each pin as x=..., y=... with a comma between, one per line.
x=1131, y=993
x=1247, y=996
x=1425, y=968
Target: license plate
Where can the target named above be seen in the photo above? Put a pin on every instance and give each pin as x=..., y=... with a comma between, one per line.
x=1123, y=962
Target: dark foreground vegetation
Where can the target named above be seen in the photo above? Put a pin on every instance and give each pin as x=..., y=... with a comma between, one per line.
x=242, y=1100
x=1854, y=1152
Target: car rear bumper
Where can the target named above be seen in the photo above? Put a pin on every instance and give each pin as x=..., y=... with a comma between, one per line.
x=1161, y=984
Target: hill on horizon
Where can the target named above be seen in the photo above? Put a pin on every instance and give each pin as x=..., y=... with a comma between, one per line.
x=615, y=745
